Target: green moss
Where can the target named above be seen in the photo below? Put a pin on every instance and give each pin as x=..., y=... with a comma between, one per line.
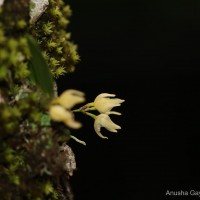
x=54, y=40
x=29, y=141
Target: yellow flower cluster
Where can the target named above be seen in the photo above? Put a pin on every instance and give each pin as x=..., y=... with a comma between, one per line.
x=104, y=104
x=60, y=108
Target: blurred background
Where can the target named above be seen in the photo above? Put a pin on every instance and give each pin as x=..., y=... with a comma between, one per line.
x=148, y=53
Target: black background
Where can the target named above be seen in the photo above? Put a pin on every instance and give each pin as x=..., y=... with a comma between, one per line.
x=148, y=53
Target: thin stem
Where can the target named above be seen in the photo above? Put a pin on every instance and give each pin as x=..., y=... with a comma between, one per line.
x=92, y=108
x=85, y=108
x=77, y=110
x=88, y=106
x=90, y=114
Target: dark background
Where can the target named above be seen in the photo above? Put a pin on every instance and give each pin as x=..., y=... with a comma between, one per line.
x=148, y=53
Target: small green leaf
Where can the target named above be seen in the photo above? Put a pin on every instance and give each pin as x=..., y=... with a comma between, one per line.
x=39, y=70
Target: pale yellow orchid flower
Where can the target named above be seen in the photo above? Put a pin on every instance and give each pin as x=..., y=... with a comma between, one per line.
x=103, y=120
x=70, y=98
x=60, y=114
x=104, y=104
x=59, y=109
